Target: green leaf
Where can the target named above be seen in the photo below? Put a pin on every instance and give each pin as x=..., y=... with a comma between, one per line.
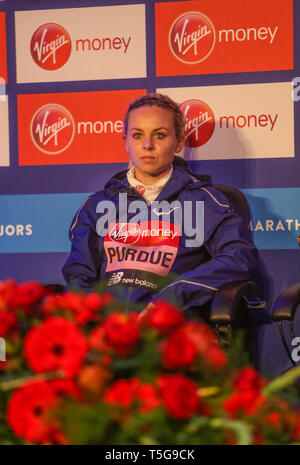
x=282, y=381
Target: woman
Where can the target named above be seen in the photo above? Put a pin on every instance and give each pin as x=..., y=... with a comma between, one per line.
x=156, y=231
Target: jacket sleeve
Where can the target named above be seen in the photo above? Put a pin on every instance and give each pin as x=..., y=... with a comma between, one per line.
x=82, y=266
x=232, y=257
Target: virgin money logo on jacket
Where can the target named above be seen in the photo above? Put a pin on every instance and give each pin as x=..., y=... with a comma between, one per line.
x=52, y=129
x=192, y=37
x=149, y=246
x=199, y=122
x=50, y=46
x=126, y=233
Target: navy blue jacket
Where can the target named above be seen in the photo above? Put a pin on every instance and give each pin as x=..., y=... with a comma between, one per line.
x=143, y=261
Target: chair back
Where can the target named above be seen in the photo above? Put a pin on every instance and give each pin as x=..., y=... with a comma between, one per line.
x=237, y=199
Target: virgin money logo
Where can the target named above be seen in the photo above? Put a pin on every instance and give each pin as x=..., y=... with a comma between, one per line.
x=141, y=189
x=199, y=122
x=192, y=37
x=126, y=233
x=50, y=46
x=52, y=128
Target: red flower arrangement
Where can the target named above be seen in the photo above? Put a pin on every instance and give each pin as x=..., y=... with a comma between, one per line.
x=21, y=296
x=126, y=393
x=179, y=395
x=247, y=396
x=27, y=411
x=193, y=341
x=78, y=360
x=7, y=321
x=121, y=331
x=164, y=317
x=56, y=345
x=82, y=307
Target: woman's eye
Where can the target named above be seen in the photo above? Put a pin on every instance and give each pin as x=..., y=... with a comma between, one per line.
x=137, y=135
x=160, y=135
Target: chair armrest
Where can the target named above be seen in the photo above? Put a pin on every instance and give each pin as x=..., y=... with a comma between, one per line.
x=225, y=303
x=286, y=304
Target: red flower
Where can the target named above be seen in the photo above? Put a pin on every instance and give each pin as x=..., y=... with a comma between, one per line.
x=83, y=307
x=248, y=398
x=7, y=321
x=178, y=350
x=121, y=331
x=122, y=392
x=148, y=397
x=27, y=411
x=258, y=439
x=94, y=378
x=295, y=436
x=245, y=402
x=57, y=344
x=25, y=295
x=164, y=317
x=274, y=419
x=6, y=288
x=95, y=301
x=216, y=358
x=64, y=387
x=179, y=395
x=97, y=339
x=126, y=392
x=248, y=379
x=192, y=340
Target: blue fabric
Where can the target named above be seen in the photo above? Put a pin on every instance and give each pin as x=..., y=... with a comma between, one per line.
x=227, y=253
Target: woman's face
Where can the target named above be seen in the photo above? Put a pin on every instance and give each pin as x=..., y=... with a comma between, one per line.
x=151, y=142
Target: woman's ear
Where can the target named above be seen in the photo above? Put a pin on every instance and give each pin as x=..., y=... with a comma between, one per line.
x=180, y=145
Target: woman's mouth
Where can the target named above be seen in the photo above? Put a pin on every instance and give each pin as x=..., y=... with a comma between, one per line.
x=147, y=158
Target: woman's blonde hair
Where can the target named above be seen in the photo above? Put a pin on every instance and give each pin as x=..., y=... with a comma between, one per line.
x=162, y=101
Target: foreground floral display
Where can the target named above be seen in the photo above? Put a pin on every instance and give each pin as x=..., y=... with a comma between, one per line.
x=81, y=369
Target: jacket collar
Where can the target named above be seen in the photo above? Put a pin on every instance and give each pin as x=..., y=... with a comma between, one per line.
x=179, y=180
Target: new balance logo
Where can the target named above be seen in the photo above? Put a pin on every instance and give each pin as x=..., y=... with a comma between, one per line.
x=115, y=278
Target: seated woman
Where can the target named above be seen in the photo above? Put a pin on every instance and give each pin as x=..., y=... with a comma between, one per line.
x=156, y=231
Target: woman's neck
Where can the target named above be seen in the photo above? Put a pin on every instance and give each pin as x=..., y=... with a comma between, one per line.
x=149, y=179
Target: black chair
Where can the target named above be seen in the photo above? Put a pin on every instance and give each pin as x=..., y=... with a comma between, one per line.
x=232, y=305
x=284, y=310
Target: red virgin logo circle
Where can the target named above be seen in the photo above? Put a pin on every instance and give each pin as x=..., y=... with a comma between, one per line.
x=126, y=233
x=141, y=189
x=50, y=46
x=192, y=37
x=199, y=122
x=52, y=128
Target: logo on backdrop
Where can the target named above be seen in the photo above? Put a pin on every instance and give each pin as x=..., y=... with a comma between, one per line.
x=52, y=128
x=199, y=122
x=192, y=37
x=50, y=46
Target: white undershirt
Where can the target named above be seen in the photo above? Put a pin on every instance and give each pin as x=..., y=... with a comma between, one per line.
x=149, y=192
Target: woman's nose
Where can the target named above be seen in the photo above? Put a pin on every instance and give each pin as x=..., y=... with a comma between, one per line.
x=148, y=142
